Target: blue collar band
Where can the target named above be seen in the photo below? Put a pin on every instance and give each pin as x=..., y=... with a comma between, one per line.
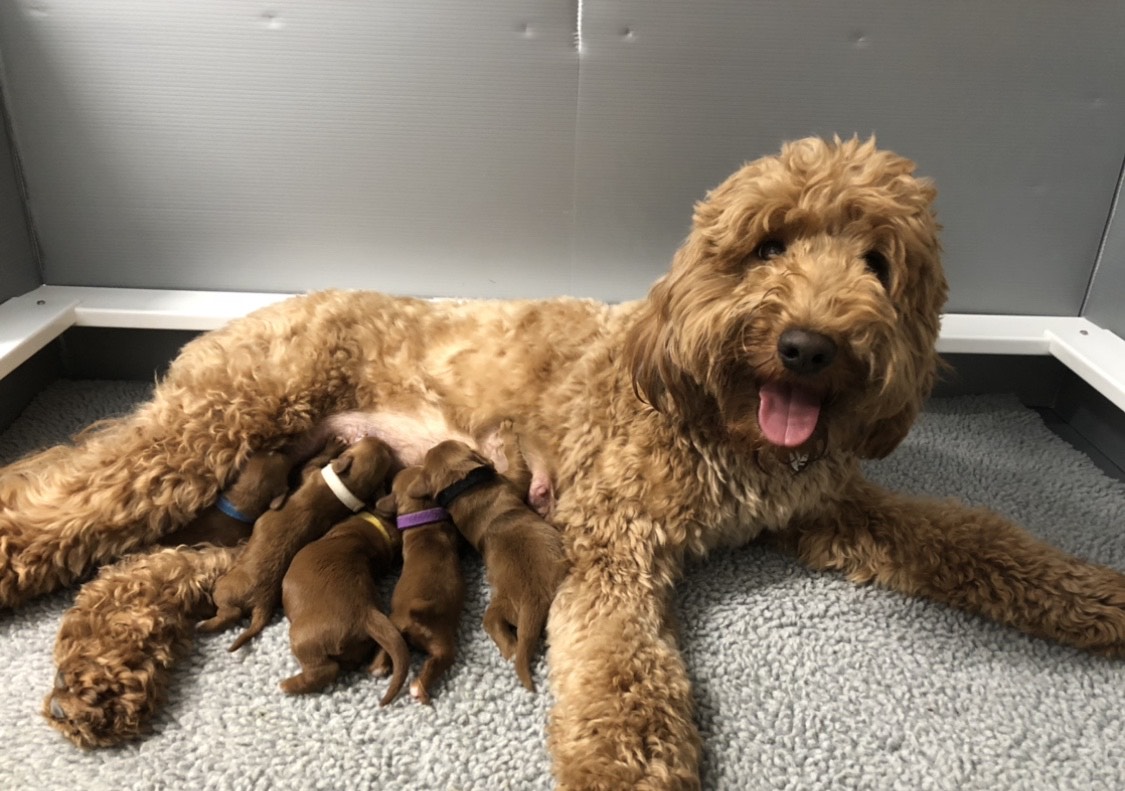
x=227, y=507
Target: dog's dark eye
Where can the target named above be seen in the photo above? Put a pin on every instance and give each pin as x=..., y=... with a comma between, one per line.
x=878, y=266
x=770, y=248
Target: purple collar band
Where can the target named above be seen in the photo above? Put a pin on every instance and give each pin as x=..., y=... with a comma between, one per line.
x=419, y=518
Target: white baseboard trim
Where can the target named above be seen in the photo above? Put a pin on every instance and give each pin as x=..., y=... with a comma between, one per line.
x=31, y=321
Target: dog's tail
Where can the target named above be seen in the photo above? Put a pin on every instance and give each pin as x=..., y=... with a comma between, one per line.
x=532, y=621
x=383, y=632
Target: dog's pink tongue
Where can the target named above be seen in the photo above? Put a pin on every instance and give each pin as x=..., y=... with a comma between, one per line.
x=787, y=415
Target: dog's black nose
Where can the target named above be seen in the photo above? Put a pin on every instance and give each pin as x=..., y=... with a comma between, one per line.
x=805, y=351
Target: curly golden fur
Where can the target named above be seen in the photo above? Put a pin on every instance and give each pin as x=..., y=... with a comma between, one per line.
x=117, y=644
x=665, y=422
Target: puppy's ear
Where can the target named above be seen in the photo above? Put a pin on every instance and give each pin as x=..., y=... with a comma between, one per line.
x=387, y=504
x=419, y=488
x=279, y=495
x=341, y=464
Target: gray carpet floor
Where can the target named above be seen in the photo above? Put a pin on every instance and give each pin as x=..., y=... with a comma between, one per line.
x=802, y=680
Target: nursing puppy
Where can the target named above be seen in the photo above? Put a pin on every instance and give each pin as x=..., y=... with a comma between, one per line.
x=263, y=480
x=254, y=584
x=430, y=594
x=331, y=599
x=523, y=555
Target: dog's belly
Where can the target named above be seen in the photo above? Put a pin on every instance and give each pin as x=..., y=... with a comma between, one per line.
x=409, y=436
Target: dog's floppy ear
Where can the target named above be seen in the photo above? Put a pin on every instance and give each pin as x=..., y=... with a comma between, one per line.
x=647, y=349
x=387, y=504
x=279, y=495
x=419, y=488
x=652, y=349
x=886, y=434
x=342, y=463
x=919, y=364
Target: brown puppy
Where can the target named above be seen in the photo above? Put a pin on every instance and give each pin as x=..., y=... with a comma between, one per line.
x=430, y=594
x=330, y=597
x=523, y=555
x=263, y=480
x=254, y=584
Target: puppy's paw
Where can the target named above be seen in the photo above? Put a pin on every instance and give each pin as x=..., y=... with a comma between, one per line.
x=419, y=693
x=500, y=626
x=381, y=665
x=498, y=444
x=225, y=618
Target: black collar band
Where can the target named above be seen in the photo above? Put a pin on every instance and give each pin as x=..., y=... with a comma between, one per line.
x=475, y=478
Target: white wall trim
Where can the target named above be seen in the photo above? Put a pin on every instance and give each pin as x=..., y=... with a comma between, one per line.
x=30, y=322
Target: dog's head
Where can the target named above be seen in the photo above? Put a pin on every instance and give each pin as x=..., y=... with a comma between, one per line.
x=446, y=463
x=804, y=305
x=363, y=467
x=262, y=481
x=400, y=500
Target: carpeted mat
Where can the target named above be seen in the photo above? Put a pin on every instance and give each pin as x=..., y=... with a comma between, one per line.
x=802, y=680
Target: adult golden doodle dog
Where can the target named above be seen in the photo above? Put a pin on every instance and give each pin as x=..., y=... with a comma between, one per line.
x=793, y=336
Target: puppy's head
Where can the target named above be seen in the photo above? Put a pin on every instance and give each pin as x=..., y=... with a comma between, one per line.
x=804, y=306
x=363, y=467
x=401, y=500
x=263, y=480
x=445, y=464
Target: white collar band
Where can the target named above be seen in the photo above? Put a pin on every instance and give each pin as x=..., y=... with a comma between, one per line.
x=337, y=486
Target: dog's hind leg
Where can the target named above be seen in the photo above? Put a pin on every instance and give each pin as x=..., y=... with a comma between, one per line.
x=117, y=645
x=440, y=649
x=971, y=559
x=315, y=675
x=231, y=392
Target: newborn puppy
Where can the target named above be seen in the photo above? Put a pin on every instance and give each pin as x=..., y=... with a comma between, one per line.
x=430, y=594
x=263, y=480
x=331, y=599
x=254, y=584
x=523, y=555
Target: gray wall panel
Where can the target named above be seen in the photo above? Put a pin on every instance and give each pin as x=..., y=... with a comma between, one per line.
x=440, y=147
x=1105, y=305
x=1015, y=107
x=415, y=146
x=19, y=272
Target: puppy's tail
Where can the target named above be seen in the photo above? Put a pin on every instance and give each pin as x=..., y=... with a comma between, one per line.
x=383, y=632
x=532, y=620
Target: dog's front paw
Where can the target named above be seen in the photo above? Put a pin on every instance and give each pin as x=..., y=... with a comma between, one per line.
x=103, y=709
